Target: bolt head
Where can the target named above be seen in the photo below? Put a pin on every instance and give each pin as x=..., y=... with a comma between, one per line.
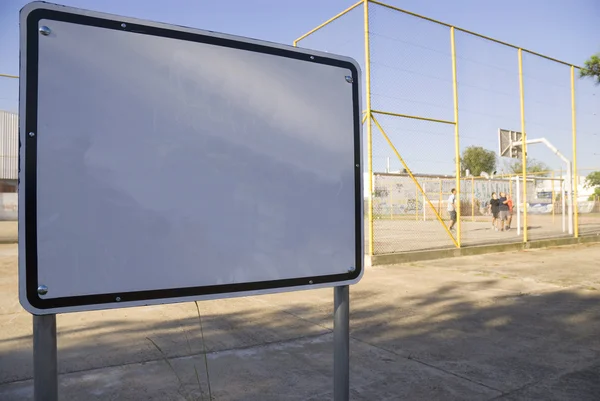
x=310, y=282
x=351, y=268
x=44, y=30
x=349, y=79
x=123, y=25
x=31, y=134
x=312, y=57
x=42, y=290
x=118, y=299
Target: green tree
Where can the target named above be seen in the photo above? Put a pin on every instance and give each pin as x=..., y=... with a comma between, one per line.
x=477, y=160
x=593, y=181
x=533, y=167
x=592, y=68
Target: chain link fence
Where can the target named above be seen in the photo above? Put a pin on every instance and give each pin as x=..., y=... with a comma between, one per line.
x=433, y=91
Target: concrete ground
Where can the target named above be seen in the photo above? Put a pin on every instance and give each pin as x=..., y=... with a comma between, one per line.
x=409, y=235
x=511, y=326
x=8, y=232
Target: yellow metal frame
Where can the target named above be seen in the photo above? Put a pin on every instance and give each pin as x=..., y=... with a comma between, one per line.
x=470, y=32
x=575, y=180
x=456, y=137
x=435, y=120
x=369, y=115
x=329, y=21
x=420, y=189
x=524, y=147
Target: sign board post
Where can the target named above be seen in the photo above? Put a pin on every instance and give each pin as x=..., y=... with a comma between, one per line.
x=163, y=164
x=341, y=343
x=45, y=359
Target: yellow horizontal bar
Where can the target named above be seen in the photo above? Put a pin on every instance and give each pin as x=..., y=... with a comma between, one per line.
x=435, y=120
x=471, y=32
x=8, y=76
x=352, y=7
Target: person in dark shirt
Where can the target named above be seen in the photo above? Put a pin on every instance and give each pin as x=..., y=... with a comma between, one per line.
x=503, y=214
x=494, y=207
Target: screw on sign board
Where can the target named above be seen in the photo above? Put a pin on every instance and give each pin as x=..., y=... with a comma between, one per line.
x=165, y=164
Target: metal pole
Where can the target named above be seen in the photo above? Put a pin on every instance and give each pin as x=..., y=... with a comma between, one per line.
x=391, y=204
x=456, y=137
x=524, y=146
x=369, y=130
x=441, y=199
x=562, y=196
x=330, y=20
x=472, y=198
x=574, y=126
x=45, y=359
x=341, y=343
x=570, y=198
x=424, y=211
x=416, y=203
x=553, y=200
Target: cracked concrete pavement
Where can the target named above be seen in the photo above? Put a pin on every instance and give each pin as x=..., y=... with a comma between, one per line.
x=510, y=326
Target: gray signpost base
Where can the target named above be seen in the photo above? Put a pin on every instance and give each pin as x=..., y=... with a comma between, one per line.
x=341, y=343
x=45, y=362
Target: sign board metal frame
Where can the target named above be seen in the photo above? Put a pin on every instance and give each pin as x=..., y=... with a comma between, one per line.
x=30, y=292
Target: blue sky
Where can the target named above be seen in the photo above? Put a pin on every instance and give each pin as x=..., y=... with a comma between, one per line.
x=411, y=61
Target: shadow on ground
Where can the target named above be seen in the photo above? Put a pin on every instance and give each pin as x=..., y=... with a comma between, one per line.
x=469, y=339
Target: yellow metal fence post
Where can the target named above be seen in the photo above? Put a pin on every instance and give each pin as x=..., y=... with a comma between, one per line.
x=574, y=175
x=456, y=137
x=369, y=130
x=524, y=147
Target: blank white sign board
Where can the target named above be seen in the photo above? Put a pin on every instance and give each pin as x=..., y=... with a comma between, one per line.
x=166, y=164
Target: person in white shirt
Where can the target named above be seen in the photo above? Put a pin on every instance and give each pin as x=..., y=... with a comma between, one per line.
x=452, y=208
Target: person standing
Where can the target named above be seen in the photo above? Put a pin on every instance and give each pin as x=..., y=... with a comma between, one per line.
x=503, y=213
x=509, y=202
x=452, y=208
x=494, y=207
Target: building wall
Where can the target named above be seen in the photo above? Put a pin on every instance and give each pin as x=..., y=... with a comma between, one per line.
x=9, y=145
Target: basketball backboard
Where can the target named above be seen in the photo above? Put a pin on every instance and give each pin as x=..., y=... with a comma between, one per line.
x=506, y=140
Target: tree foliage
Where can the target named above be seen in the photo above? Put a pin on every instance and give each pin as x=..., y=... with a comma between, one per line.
x=477, y=160
x=592, y=68
x=593, y=181
x=533, y=167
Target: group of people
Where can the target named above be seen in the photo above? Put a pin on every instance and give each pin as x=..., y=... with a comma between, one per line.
x=502, y=210
x=500, y=207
